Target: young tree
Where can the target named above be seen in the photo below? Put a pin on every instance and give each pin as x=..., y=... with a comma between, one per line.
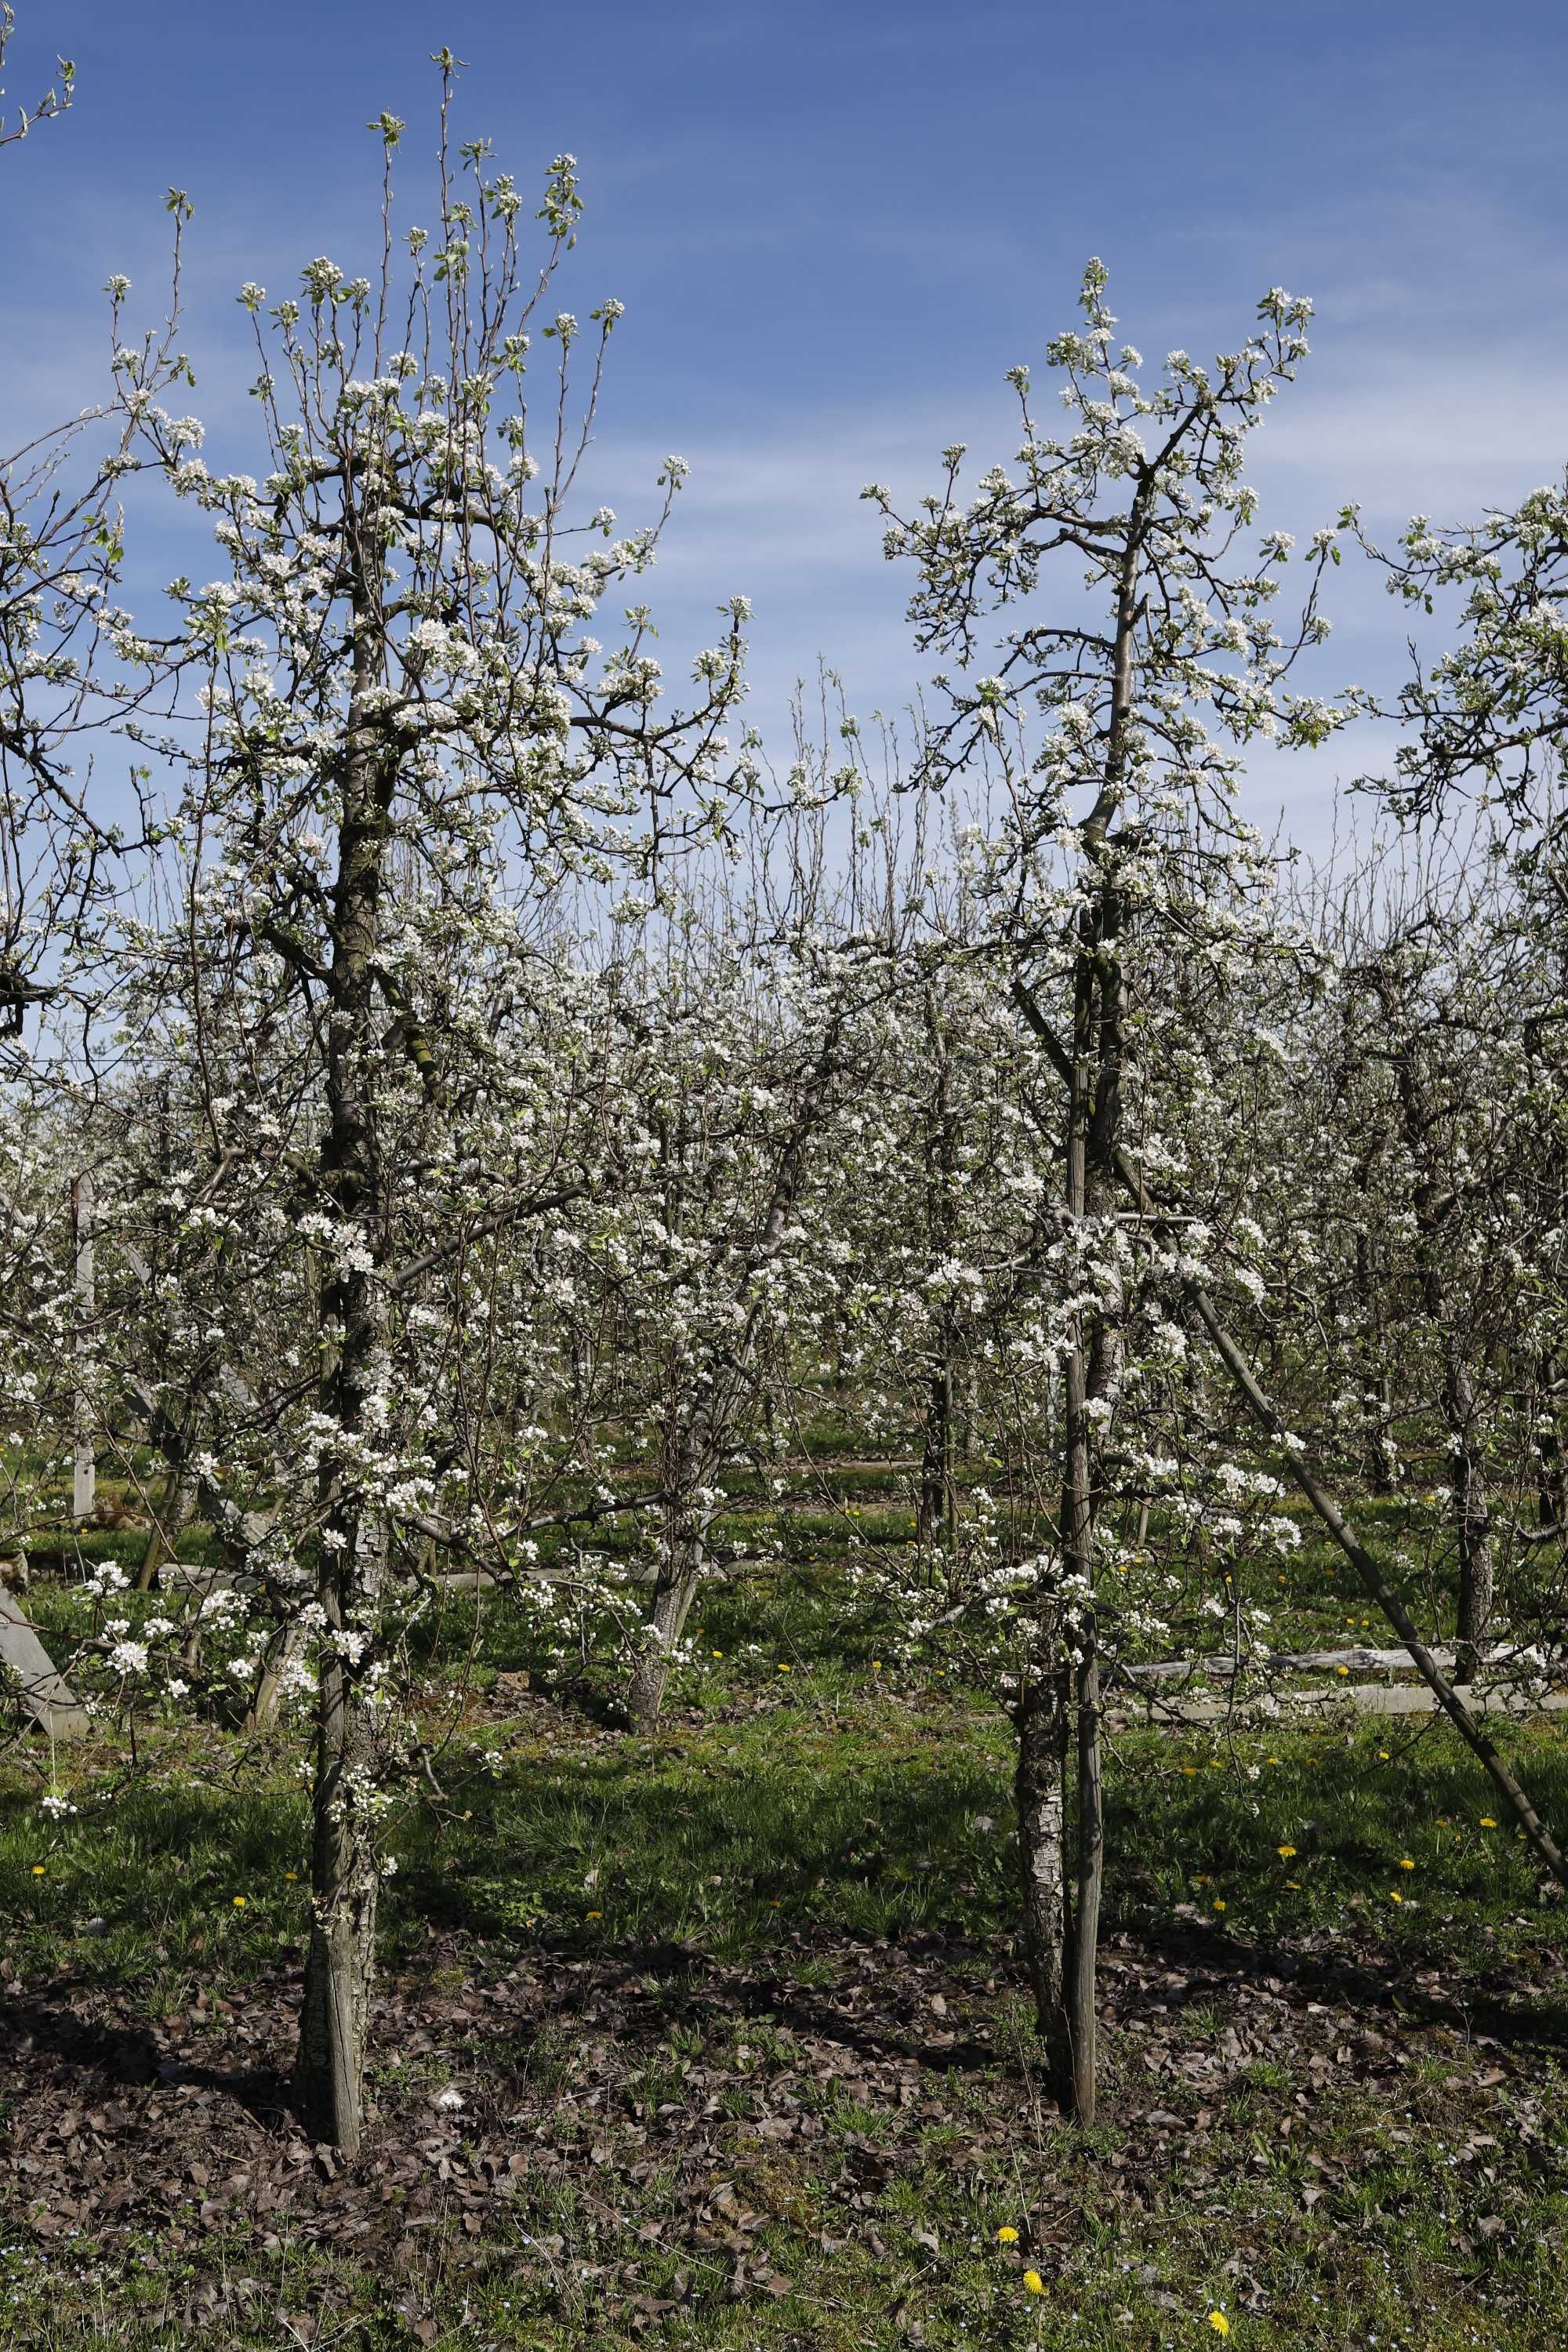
x=410, y=734
x=1145, y=695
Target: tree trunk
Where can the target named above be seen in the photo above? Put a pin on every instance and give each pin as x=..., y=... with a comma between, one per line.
x=330, y=2069
x=1091, y=1373
x=1461, y=1418
x=1039, y=1786
x=345, y=1884
x=1091, y=1879
x=673, y=1596
x=1472, y=1516
x=938, y=1505
x=282, y=1652
x=353, y=1553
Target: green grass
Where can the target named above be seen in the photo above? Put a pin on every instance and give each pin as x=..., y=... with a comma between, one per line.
x=746, y=1871
x=861, y=1820
x=689, y=1984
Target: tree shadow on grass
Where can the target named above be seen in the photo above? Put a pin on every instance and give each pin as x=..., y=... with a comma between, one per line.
x=732, y=1895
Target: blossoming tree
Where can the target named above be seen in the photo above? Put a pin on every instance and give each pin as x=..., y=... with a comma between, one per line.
x=1114, y=727
x=409, y=733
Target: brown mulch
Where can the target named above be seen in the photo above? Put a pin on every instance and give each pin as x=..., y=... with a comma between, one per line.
x=181, y=2124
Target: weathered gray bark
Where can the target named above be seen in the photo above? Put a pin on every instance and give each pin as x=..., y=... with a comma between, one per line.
x=282, y=1650
x=1039, y=1791
x=673, y=1595
x=1091, y=1882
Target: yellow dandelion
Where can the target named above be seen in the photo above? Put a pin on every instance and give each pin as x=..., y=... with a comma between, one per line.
x=1219, y=2323
x=1191, y=1771
x=1034, y=2282
x=1405, y=1862
x=1338, y=1670
x=876, y=1666
x=718, y=1653
x=784, y=1670
x=1219, y=1903
x=1007, y=2235
x=1383, y=1756
x=1487, y=1822
x=1285, y=1853
x=596, y=1915
x=38, y=1870
x=1395, y=1896
x=291, y=1873
x=1294, y=1885
x=239, y=1902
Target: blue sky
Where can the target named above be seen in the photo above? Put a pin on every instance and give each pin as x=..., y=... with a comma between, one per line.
x=834, y=226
